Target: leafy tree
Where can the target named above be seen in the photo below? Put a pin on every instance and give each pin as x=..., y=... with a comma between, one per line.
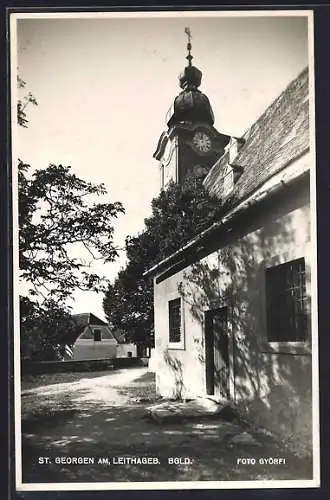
x=59, y=218
x=178, y=214
x=45, y=329
x=23, y=103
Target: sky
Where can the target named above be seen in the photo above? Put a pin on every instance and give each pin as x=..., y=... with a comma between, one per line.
x=104, y=86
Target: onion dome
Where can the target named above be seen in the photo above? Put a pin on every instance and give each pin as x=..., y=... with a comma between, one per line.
x=191, y=104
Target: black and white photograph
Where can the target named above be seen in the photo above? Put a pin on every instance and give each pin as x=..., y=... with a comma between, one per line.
x=164, y=226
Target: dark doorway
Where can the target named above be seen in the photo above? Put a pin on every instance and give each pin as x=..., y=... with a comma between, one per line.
x=217, y=352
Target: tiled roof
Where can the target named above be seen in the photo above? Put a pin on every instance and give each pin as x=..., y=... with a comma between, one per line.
x=85, y=319
x=279, y=136
x=105, y=332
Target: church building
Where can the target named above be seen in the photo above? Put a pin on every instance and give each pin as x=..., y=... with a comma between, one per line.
x=191, y=144
x=233, y=306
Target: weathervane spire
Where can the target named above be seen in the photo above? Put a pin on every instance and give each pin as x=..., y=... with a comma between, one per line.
x=189, y=56
x=191, y=76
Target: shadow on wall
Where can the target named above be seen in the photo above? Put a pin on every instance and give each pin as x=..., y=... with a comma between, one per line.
x=274, y=389
x=176, y=367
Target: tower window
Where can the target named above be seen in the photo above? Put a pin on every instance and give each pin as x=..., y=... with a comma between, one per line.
x=97, y=335
x=286, y=302
x=174, y=315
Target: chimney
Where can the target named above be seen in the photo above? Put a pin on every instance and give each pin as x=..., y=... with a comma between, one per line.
x=233, y=148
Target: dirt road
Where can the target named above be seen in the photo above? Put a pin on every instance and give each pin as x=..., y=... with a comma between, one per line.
x=101, y=420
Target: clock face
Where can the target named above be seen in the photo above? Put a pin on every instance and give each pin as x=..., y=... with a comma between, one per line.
x=202, y=142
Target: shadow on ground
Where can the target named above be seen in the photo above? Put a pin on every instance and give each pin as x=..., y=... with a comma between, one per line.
x=73, y=425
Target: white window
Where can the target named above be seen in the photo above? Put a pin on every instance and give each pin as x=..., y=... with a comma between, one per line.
x=174, y=320
x=175, y=324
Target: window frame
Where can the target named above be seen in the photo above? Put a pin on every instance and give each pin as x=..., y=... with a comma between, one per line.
x=276, y=342
x=181, y=343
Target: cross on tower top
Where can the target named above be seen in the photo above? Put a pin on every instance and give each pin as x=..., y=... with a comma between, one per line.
x=189, y=56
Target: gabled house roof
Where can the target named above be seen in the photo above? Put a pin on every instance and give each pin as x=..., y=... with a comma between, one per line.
x=278, y=138
x=88, y=322
x=88, y=332
x=84, y=319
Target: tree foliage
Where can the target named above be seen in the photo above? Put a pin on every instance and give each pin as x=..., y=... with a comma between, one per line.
x=178, y=214
x=23, y=103
x=45, y=329
x=63, y=229
x=59, y=220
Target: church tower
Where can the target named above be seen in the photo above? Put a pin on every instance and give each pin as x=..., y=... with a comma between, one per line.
x=191, y=144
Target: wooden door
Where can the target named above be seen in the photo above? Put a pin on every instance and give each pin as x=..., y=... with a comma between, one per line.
x=217, y=352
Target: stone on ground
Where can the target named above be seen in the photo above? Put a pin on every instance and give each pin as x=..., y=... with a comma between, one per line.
x=175, y=410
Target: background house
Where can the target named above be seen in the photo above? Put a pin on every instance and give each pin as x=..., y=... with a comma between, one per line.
x=97, y=340
x=125, y=349
x=233, y=307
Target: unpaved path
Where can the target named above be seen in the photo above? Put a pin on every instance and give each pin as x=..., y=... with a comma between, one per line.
x=102, y=390
x=99, y=418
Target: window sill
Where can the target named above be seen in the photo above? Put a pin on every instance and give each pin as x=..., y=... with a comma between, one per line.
x=294, y=348
x=176, y=346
